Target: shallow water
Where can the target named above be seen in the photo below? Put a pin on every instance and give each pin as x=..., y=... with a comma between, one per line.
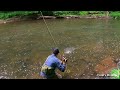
x=25, y=45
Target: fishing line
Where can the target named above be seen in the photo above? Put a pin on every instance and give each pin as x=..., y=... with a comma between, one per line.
x=48, y=29
x=63, y=53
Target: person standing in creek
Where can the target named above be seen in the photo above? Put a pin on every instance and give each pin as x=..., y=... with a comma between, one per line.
x=52, y=62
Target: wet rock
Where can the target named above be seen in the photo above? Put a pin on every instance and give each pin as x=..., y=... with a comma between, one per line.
x=117, y=60
x=1, y=77
x=105, y=66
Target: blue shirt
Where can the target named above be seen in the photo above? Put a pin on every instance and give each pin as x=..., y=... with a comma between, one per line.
x=54, y=62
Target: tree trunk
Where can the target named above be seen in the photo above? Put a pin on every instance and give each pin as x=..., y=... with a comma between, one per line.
x=107, y=14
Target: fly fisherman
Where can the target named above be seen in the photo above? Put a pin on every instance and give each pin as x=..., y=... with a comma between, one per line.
x=50, y=65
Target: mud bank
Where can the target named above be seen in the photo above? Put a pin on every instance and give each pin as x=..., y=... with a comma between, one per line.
x=10, y=20
x=15, y=19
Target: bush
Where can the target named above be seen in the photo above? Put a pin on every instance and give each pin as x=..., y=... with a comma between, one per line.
x=115, y=14
x=83, y=13
x=5, y=15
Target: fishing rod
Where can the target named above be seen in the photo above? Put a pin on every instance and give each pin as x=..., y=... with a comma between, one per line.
x=49, y=30
x=63, y=53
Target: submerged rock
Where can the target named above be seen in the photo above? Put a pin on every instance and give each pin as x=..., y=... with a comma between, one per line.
x=105, y=66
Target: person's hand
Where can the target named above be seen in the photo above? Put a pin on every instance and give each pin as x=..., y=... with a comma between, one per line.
x=64, y=60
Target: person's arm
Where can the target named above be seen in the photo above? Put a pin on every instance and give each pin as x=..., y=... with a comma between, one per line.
x=61, y=65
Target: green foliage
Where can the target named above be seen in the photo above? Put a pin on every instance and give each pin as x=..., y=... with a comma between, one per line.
x=115, y=14
x=48, y=13
x=115, y=73
x=65, y=13
x=59, y=13
x=82, y=13
x=5, y=15
x=10, y=14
